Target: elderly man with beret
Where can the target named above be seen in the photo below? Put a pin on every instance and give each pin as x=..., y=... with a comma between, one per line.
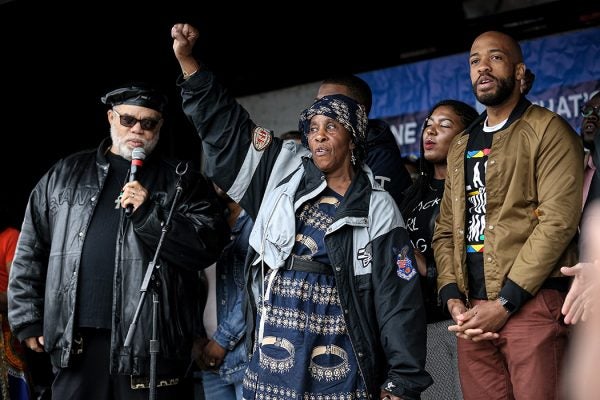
x=81, y=260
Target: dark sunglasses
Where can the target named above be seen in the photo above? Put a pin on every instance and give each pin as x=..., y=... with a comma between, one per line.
x=587, y=111
x=147, y=124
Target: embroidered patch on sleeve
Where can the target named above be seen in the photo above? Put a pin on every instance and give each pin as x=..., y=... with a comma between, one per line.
x=405, y=268
x=261, y=138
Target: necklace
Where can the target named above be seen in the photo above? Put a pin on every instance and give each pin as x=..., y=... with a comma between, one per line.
x=120, y=196
x=436, y=184
x=118, y=167
x=118, y=200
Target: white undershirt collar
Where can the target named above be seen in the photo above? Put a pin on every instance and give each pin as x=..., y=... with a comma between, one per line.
x=494, y=128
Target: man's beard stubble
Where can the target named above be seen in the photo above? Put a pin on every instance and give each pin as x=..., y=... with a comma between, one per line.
x=503, y=91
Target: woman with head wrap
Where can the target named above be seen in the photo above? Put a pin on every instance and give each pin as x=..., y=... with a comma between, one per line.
x=334, y=303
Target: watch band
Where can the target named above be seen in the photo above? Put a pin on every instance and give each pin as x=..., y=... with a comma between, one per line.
x=508, y=306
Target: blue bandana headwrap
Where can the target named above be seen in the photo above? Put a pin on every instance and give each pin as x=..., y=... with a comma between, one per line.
x=344, y=110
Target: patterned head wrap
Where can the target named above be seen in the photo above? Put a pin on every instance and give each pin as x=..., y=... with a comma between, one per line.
x=344, y=110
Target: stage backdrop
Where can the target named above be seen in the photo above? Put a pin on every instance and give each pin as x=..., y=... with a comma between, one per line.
x=566, y=67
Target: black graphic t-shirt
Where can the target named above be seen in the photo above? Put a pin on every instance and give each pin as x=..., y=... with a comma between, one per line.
x=420, y=224
x=420, y=221
x=476, y=156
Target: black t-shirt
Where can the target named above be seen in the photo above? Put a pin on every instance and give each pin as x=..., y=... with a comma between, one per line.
x=420, y=224
x=95, y=290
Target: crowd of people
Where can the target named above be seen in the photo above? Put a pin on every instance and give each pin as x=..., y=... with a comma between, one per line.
x=313, y=254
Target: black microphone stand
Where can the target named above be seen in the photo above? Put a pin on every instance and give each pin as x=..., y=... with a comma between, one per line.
x=149, y=277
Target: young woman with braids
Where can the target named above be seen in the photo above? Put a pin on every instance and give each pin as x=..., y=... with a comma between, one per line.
x=420, y=209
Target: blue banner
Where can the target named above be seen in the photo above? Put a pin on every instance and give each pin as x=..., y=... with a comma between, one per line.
x=567, y=74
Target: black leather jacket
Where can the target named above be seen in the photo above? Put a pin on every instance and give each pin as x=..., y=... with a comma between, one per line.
x=44, y=273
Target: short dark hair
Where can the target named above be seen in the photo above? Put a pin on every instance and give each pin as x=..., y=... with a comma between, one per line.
x=358, y=89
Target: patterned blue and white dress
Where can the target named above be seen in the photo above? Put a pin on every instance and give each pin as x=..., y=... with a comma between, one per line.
x=306, y=352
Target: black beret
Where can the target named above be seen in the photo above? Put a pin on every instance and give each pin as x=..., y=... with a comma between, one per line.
x=137, y=96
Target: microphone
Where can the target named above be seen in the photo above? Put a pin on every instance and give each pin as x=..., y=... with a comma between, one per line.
x=137, y=160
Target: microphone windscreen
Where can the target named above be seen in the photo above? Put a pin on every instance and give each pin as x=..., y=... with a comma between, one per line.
x=138, y=153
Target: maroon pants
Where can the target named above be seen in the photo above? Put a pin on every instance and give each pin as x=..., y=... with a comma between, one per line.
x=525, y=362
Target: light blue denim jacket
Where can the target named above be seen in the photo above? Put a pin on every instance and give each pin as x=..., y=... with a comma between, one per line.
x=231, y=323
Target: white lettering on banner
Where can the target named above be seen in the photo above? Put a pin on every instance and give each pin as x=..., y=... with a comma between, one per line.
x=567, y=106
x=561, y=105
x=405, y=133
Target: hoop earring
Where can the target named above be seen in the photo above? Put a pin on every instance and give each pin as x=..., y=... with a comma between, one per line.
x=352, y=158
